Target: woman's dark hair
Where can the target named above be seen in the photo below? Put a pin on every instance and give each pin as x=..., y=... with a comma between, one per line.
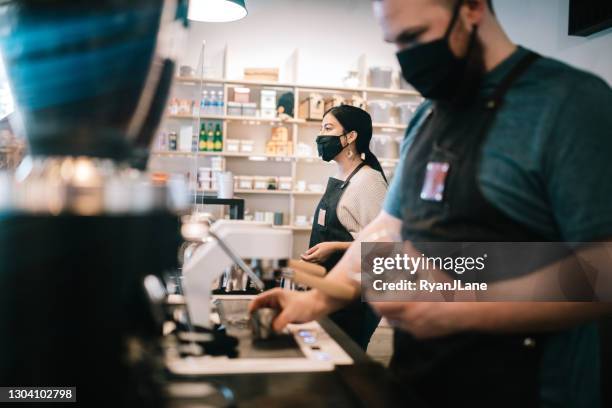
x=355, y=119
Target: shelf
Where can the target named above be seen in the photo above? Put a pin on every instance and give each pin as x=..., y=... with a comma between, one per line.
x=389, y=126
x=237, y=118
x=294, y=227
x=273, y=192
x=330, y=88
x=307, y=193
x=260, y=157
x=252, y=156
x=374, y=125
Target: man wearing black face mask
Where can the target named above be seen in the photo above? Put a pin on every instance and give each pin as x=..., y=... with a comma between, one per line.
x=517, y=146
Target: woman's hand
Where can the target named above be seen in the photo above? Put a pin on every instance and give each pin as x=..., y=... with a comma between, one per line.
x=321, y=252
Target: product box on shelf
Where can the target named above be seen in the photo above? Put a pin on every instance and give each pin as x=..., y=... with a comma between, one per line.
x=242, y=95
x=247, y=146
x=267, y=99
x=312, y=108
x=249, y=109
x=234, y=109
x=261, y=74
x=333, y=101
x=232, y=145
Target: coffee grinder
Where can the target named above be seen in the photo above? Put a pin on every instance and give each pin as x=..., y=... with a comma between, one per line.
x=81, y=224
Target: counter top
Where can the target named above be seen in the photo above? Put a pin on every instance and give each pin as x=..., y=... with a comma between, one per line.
x=363, y=384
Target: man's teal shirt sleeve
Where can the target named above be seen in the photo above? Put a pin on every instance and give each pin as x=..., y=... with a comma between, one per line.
x=394, y=198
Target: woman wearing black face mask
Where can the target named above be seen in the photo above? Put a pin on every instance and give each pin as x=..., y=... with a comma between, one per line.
x=352, y=199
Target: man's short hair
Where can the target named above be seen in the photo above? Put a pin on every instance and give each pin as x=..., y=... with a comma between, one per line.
x=452, y=3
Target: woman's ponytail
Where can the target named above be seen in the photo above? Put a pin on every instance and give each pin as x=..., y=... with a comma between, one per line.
x=355, y=119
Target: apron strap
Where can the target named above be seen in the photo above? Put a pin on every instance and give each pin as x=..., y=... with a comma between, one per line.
x=496, y=100
x=351, y=175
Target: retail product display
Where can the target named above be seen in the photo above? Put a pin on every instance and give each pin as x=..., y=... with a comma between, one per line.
x=406, y=111
x=380, y=110
x=380, y=77
x=351, y=80
x=185, y=138
x=212, y=102
x=247, y=146
x=180, y=107
x=249, y=109
x=385, y=146
x=186, y=71
x=312, y=108
x=358, y=102
x=242, y=95
x=261, y=74
x=285, y=183
x=225, y=184
x=279, y=143
x=210, y=138
x=333, y=101
x=303, y=150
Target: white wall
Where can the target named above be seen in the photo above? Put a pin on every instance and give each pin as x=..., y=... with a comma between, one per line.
x=542, y=26
x=332, y=34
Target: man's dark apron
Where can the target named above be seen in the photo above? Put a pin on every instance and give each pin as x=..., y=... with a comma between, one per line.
x=357, y=320
x=483, y=370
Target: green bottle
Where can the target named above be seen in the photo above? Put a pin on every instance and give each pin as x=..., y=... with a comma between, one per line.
x=203, y=142
x=210, y=145
x=218, y=138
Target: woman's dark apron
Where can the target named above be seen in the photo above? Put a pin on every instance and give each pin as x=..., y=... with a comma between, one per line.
x=480, y=370
x=357, y=320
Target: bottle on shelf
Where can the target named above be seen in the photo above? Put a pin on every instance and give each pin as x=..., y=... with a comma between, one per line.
x=203, y=142
x=220, y=104
x=218, y=138
x=210, y=145
x=172, y=141
x=204, y=103
x=212, y=104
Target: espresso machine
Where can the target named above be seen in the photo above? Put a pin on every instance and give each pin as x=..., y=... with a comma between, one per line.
x=81, y=224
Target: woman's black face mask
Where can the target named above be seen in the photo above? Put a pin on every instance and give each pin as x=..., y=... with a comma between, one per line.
x=432, y=68
x=329, y=146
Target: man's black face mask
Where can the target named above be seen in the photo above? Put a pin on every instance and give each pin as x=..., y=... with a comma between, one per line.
x=434, y=71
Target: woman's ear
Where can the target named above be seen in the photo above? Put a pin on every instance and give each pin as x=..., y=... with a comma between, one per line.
x=351, y=137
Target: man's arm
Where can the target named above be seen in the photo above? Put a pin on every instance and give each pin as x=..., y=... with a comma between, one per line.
x=384, y=227
x=306, y=306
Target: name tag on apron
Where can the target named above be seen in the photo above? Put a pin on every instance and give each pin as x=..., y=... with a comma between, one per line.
x=435, y=181
x=321, y=217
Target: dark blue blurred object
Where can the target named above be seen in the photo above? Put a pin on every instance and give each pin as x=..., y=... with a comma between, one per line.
x=78, y=69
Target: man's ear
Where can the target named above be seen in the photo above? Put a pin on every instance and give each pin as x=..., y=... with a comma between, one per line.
x=473, y=12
